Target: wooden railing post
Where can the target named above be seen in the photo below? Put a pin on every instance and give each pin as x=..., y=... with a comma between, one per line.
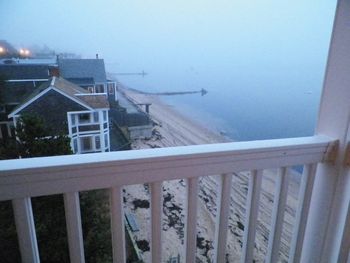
x=25, y=227
x=325, y=238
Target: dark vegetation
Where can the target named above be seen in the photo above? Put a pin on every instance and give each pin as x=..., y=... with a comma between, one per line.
x=143, y=245
x=49, y=216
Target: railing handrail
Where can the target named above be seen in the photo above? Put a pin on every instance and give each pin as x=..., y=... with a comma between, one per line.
x=61, y=174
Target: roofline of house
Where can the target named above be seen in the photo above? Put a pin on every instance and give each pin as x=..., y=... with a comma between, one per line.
x=14, y=113
x=25, y=80
x=91, y=94
x=72, y=98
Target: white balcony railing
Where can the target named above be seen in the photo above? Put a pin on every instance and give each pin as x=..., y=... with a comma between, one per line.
x=68, y=175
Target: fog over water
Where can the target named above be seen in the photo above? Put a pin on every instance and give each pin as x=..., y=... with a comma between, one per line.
x=262, y=62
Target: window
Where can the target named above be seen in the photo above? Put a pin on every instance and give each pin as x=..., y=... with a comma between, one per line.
x=96, y=116
x=86, y=144
x=104, y=115
x=111, y=88
x=106, y=140
x=91, y=89
x=97, y=142
x=75, y=145
x=84, y=117
x=99, y=88
x=72, y=119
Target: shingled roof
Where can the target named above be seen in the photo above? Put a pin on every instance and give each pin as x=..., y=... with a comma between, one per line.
x=83, y=69
x=93, y=100
x=24, y=71
x=70, y=90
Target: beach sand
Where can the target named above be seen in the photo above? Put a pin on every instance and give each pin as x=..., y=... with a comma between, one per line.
x=173, y=129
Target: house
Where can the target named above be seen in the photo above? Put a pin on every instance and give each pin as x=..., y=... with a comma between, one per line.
x=69, y=109
x=19, y=80
x=23, y=76
x=322, y=223
x=89, y=74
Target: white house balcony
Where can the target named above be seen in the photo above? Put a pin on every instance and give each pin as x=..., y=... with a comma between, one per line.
x=322, y=221
x=20, y=180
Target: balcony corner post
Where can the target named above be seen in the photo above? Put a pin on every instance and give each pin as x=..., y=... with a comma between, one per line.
x=325, y=237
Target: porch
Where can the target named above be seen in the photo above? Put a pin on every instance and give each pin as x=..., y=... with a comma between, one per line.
x=321, y=229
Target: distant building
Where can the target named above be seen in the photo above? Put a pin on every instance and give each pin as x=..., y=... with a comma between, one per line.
x=89, y=74
x=68, y=109
x=7, y=50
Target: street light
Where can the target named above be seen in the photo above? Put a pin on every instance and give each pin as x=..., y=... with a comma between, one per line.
x=24, y=52
x=2, y=50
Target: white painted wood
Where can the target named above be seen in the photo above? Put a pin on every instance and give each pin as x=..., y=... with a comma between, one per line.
x=156, y=221
x=74, y=229
x=221, y=227
x=59, y=174
x=22, y=209
x=191, y=220
x=279, y=205
x=117, y=225
x=305, y=192
x=251, y=218
x=326, y=236
x=102, y=138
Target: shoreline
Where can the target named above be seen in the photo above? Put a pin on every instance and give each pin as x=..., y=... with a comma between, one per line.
x=174, y=128
x=171, y=129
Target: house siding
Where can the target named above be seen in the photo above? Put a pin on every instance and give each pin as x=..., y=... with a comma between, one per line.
x=53, y=108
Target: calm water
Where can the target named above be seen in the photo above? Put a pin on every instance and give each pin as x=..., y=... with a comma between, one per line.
x=263, y=68
x=250, y=109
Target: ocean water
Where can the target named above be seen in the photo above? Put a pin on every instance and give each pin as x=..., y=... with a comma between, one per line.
x=250, y=111
x=263, y=68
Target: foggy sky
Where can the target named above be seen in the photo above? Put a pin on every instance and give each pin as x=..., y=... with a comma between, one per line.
x=179, y=42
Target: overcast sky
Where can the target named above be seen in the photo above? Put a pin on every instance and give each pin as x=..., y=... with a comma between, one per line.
x=179, y=37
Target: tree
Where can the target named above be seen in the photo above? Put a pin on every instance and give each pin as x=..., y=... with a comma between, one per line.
x=35, y=140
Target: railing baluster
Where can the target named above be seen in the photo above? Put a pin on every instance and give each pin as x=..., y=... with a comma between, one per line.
x=251, y=215
x=223, y=211
x=25, y=227
x=305, y=191
x=74, y=230
x=191, y=221
x=156, y=215
x=279, y=205
x=117, y=225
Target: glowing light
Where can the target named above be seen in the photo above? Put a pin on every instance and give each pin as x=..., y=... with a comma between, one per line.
x=2, y=49
x=24, y=52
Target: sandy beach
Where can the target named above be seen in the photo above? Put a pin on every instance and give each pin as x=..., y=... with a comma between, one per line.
x=173, y=129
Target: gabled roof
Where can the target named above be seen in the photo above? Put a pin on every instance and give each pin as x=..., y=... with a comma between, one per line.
x=83, y=68
x=92, y=100
x=77, y=94
x=24, y=71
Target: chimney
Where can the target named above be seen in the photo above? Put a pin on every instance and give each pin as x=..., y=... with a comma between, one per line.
x=54, y=71
x=96, y=56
